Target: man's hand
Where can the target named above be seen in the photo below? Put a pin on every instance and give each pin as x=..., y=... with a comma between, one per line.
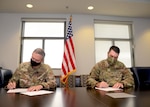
x=35, y=88
x=102, y=84
x=118, y=85
x=11, y=85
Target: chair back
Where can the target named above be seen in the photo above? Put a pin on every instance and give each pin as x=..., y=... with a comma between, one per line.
x=142, y=76
x=5, y=75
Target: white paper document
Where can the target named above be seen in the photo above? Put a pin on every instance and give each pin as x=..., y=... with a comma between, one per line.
x=120, y=95
x=17, y=90
x=108, y=89
x=29, y=93
x=33, y=93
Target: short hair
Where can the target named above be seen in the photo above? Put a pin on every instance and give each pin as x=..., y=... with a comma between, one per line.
x=114, y=48
x=39, y=51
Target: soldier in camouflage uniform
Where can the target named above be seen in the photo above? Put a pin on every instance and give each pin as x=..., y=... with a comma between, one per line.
x=110, y=72
x=34, y=75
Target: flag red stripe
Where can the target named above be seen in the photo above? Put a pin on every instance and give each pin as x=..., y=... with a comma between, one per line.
x=66, y=59
x=72, y=47
x=69, y=54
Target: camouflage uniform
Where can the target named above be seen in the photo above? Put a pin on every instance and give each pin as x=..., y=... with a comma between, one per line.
x=25, y=76
x=102, y=71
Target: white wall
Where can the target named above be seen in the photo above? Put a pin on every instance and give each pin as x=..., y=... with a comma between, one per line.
x=83, y=30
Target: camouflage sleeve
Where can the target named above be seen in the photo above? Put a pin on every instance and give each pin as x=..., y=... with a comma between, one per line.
x=50, y=81
x=93, y=78
x=16, y=75
x=127, y=80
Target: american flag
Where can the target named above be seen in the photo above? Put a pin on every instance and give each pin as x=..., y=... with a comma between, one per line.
x=68, y=63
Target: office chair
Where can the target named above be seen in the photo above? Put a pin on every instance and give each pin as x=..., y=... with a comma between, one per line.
x=5, y=75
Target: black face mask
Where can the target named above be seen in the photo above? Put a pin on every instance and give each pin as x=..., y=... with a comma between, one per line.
x=33, y=63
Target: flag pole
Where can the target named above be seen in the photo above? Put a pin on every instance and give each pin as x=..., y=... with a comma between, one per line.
x=68, y=63
x=71, y=18
x=67, y=86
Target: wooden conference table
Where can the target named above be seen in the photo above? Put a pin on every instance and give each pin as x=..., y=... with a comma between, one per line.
x=75, y=97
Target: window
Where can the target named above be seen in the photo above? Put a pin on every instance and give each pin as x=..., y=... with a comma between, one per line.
x=47, y=34
x=114, y=33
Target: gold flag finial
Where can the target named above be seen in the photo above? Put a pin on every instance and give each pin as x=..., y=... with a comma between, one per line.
x=71, y=18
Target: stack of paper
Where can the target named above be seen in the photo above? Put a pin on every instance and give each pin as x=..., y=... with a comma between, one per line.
x=17, y=90
x=29, y=93
x=120, y=95
x=108, y=89
x=115, y=94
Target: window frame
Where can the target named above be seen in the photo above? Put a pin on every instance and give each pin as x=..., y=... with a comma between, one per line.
x=23, y=20
x=130, y=25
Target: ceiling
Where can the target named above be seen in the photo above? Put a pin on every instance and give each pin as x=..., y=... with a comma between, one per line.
x=127, y=8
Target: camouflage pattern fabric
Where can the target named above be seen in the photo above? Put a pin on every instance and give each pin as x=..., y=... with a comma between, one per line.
x=25, y=76
x=102, y=71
